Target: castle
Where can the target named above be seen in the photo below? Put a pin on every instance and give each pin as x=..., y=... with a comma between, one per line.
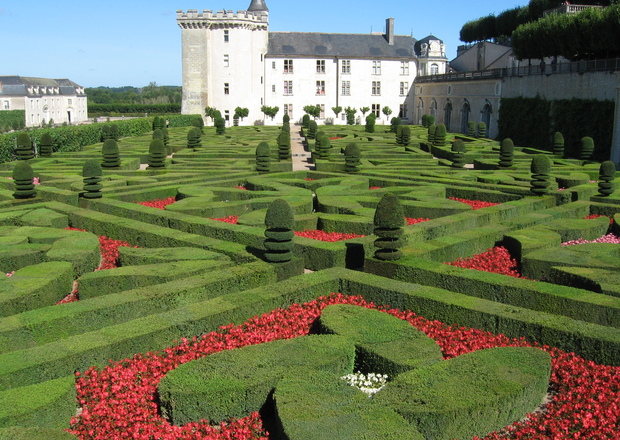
x=231, y=60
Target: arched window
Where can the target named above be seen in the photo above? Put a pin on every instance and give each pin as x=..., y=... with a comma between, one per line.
x=465, y=110
x=433, y=109
x=434, y=69
x=447, y=117
x=486, y=115
x=420, y=111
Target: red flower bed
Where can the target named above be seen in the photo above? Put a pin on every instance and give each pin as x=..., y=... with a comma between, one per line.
x=412, y=221
x=331, y=237
x=240, y=187
x=475, y=204
x=496, y=260
x=158, y=203
x=374, y=187
x=233, y=219
x=591, y=216
x=334, y=138
x=308, y=179
x=119, y=401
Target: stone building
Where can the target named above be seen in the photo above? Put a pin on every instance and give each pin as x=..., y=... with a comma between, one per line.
x=44, y=100
x=232, y=60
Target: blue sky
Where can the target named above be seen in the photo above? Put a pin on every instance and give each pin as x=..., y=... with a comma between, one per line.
x=113, y=43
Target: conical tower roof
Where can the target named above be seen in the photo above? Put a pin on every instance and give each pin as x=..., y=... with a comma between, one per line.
x=258, y=5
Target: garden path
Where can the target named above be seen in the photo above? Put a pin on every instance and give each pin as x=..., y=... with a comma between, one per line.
x=300, y=157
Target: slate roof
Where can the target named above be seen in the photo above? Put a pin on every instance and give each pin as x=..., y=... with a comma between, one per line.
x=341, y=45
x=15, y=85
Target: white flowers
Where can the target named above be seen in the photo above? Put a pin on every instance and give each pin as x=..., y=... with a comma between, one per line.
x=370, y=383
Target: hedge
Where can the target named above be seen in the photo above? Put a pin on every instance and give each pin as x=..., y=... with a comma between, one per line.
x=133, y=108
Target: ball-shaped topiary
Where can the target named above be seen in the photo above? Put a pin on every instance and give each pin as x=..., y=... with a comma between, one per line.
x=23, y=178
x=482, y=130
x=46, y=147
x=352, y=157
x=405, y=136
x=541, y=174
x=388, y=227
x=431, y=133
x=279, y=233
x=157, y=154
x=471, y=128
x=506, y=153
x=458, y=153
x=558, y=144
x=194, y=140
x=440, y=135
x=263, y=157
x=587, y=148
x=607, y=174
x=24, y=149
x=284, y=145
x=220, y=125
x=92, y=172
x=370, y=123
x=111, y=155
x=199, y=123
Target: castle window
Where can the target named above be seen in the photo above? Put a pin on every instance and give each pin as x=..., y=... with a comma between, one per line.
x=226, y=89
x=226, y=60
x=320, y=87
x=376, y=88
x=404, y=67
x=273, y=64
x=273, y=88
x=404, y=88
x=376, y=67
x=346, y=88
x=346, y=67
x=6, y=105
x=288, y=66
x=402, y=113
x=227, y=115
x=226, y=36
x=434, y=69
x=376, y=109
x=288, y=87
x=320, y=66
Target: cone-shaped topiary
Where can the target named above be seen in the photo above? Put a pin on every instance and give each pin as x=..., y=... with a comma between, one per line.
x=370, y=123
x=506, y=153
x=220, y=126
x=587, y=148
x=312, y=128
x=263, y=157
x=92, y=179
x=45, y=145
x=323, y=147
x=286, y=119
x=194, y=136
x=440, y=135
x=167, y=141
x=541, y=174
x=388, y=226
x=284, y=145
x=482, y=130
x=279, y=223
x=157, y=154
x=158, y=134
x=23, y=178
x=399, y=134
x=405, y=136
x=286, y=126
x=558, y=144
x=111, y=155
x=431, y=133
x=305, y=121
x=458, y=153
x=471, y=128
x=394, y=123
x=352, y=157
x=24, y=147
x=158, y=123
x=606, y=176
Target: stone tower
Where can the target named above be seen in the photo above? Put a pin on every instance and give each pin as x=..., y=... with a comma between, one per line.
x=223, y=59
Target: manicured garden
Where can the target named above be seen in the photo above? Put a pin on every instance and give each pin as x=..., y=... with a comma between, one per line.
x=118, y=273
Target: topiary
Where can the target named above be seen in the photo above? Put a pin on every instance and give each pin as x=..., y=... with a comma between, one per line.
x=471, y=128
x=92, y=173
x=23, y=178
x=394, y=123
x=458, y=153
x=220, y=125
x=286, y=126
x=399, y=134
x=236, y=120
x=405, y=135
x=388, y=227
x=24, y=147
x=541, y=174
x=587, y=148
x=114, y=133
x=607, y=174
x=440, y=135
x=158, y=134
x=284, y=145
x=279, y=233
x=167, y=141
x=431, y=133
x=312, y=128
x=305, y=121
x=158, y=123
x=157, y=154
x=194, y=138
x=431, y=120
x=425, y=123
x=110, y=153
x=558, y=144
x=199, y=123
x=323, y=147
x=352, y=158
x=286, y=118
x=506, y=153
x=263, y=157
x=106, y=132
x=370, y=123
x=45, y=145
x=482, y=130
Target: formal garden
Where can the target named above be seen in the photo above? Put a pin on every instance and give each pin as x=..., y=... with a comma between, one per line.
x=185, y=282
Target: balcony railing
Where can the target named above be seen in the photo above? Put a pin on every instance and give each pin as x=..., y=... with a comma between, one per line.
x=569, y=9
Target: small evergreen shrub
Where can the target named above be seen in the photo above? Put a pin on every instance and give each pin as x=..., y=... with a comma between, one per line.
x=286, y=119
x=305, y=121
x=388, y=227
x=110, y=153
x=406, y=135
x=236, y=120
x=506, y=153
x=440, y=135
x=263, y=157
x=284, y=145
x=399, y=134
x=158, y=134
x=394, y=123
x=166, y=140
x=431, y=133
x=323, y=147
x=106, y=132
x=24, y=147
x=482, y=130
x=220, y=126
x=199, y=123
x=350, y=115
x=312, y=128
x=352, y=158
x=157, y=154
x=46, y=145
x=370, y=123
x=23, y=178
x=587, y=148
x=194, y=138
x=92, y=173
x=114, y=133
x=471, y=128
x=286, y=127
x=541, y=174
x=458, y=153
x=558, y=144
x=427, y=120
x=279, y=223
x=607, y=174
x=158, y=123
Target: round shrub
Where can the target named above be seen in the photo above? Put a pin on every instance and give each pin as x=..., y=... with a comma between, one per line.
x=263, y=157
x=279, y=223
x=220, y=126
x=394, y=123
x=587, y=148
x=92, y=171
x=607, y=174
x=23, y=178
x=24, y=147
x=506, y=153
x=46, y=147
x=158, y=123
x=541, y=174
x=370, y=123
x=286, y=119
x=458, y=153
x=110, y=153
x=352, y=158
x=157, y=154
x=558, y=144
x=399, y=134
x=440, y=135
x=158, y=134
x=388, y=227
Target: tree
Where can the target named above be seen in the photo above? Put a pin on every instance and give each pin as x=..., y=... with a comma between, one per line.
x=388, y=227
x=370, y=123
x=440, y=135
x=194, y=139
x=313, y=110
x=24, y=149
x=458, y=154
x=386, y=111
x=270, y=111
x=220, y=125
x=284, y=145
x=364, y=110
x=350, y=115
x=394, y=123
x=337, y=110
x=506, y=153
x=210, y=112
x=242, y=112
x=587, y=148
x=558, y=144
x=157, y=154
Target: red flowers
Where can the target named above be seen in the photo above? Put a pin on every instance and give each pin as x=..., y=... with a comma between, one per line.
x=331, y=237
x=374, y=187
x=232, y=219
x=475, y=204
x=240, y=187
x=119, y=401
x=158, y=203
x=496, y=260
x=413, y=221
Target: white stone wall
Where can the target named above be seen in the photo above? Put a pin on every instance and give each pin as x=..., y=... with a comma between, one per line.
x=38, y=109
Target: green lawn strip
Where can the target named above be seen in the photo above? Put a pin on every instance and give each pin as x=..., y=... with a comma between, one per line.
x=129, y=256
x=49, y=324
x=30, y=433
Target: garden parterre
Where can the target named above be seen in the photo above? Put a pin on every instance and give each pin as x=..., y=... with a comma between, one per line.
x=44, y=344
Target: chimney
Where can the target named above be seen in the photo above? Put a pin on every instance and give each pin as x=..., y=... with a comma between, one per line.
x=389, y=31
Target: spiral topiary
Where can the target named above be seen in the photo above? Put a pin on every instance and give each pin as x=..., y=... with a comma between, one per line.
x=323, y=147
x=220, y=126
x=506, y=153
x=405, y=136
x=286, y=126
x=558, y=144
x=167, y=141
x=587, y=148
x=194, y=138
x=394, y=123
x=352, y=157
x=24, y=147
x=471, y=128
x=92, y=173
x=279, y=233
x=607, y=174
x=370, y=123
x=482, y=130
x=388, y=227
x=312, y=128
x=305, y=121
x=431, y=133
x=458, y=153
x=399, y=134
x=284, y=145
x=46, y=145
x=158, y=123
x=111, y=155
x=263, y=157
x=157, y=154
x=158, y=134
x=23, y=178
x=440, y=135
x=541, y=174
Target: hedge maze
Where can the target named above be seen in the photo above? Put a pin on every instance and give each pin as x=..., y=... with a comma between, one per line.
x=183, y=272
